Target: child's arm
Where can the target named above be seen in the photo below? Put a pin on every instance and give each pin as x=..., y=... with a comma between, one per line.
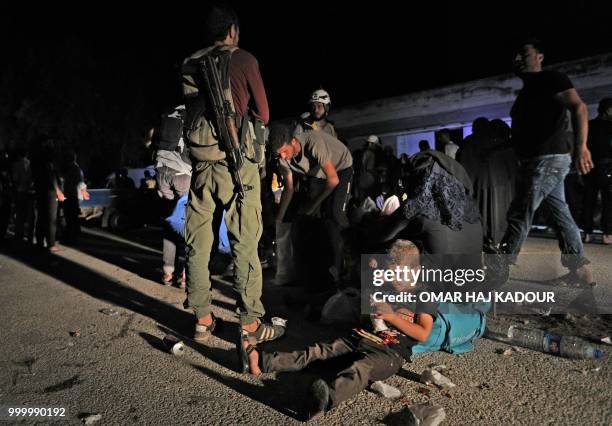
x=418, y=330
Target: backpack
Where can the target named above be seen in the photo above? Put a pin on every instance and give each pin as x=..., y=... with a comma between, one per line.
x=199, y=131
x=171, y=129
x=456, y=328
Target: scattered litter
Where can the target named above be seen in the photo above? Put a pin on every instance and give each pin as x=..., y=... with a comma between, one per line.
x=570, y=317
x=607, y=340
x=426, y=415
x=586, y=371
x=509, y=351
x=416, y=415
x=484, y=386
x=435, y=377
x=525, y=321
x=76, y=333
x=174, y=345
x=109, y=312
x=441, y=368
x=385, y=390
x=544, y=312
x=90, y=419
x=424, y=391
x=446, y=393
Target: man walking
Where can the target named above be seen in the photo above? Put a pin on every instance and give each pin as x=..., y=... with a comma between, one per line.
x=543, y=139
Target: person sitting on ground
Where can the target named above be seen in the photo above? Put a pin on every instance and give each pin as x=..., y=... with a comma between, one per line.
x=378, y=356
x=440, y=212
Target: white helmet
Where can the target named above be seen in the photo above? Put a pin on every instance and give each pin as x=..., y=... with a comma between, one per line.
x=320, y=96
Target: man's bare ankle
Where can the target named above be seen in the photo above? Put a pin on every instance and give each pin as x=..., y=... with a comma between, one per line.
x=207, y=320
x=251, y=327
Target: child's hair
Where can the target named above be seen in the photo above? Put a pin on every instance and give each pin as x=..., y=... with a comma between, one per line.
x=404, y=253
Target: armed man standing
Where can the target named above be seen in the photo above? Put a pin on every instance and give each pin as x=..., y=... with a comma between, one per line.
x=226, y=142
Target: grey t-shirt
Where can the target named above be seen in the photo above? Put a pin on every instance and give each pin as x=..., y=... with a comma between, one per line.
x=318, y=148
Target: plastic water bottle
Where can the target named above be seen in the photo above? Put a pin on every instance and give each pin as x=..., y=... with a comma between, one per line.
x=565, y=346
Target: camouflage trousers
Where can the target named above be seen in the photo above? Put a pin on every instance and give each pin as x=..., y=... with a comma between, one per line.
x=212, y=187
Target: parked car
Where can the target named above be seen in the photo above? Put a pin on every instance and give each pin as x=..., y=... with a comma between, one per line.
x=120, y=207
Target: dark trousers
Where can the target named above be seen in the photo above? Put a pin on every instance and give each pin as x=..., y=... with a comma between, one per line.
x=24, y=214
x=72, y=211
x=46, y=221
x=333, y=210
x=372, y=362
x=599, y=179
x=5, y=213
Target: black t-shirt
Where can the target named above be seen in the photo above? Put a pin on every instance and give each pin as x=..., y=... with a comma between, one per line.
x=404, y=347
x=600, y=139
x=541, y=125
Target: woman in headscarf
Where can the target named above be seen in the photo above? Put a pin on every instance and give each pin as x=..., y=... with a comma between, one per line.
x=440, y=211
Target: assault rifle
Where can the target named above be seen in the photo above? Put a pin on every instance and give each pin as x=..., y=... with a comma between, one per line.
x=226, y=121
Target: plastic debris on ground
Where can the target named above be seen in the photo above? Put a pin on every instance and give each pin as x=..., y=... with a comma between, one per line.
x=109, y=312
x=433, y=376
x=91, y=419
x=385, y=390
x=417, y=415
x=174, y=345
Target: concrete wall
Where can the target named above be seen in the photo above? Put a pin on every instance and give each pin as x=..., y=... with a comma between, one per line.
x=458, y=105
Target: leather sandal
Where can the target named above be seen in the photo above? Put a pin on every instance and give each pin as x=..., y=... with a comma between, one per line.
x=244, y=352
x=203, y=332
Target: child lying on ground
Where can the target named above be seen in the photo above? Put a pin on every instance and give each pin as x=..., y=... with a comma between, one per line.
x=381, y=355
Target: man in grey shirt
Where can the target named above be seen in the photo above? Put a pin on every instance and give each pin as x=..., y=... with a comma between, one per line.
x=329, y=164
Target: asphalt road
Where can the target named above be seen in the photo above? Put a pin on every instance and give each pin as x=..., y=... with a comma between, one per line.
x=61, y=348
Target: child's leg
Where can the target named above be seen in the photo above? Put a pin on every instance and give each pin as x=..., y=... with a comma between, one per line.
x=297, y=360
x=377, y=363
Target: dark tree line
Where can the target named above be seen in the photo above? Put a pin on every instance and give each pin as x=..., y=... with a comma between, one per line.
x=98, y=100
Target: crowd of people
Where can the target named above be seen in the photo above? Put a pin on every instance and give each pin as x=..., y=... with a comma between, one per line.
x=33, y=187
x=336, y=204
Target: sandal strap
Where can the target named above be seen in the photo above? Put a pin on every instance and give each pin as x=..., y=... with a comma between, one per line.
x=266, y=332
x=201, y=328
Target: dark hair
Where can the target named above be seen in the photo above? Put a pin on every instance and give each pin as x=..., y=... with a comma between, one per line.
x=480, y=125
x=604, y=104
x=424, y=144
x=499, y=129
x=280, y=134
x=218, y=22
x=535, y=42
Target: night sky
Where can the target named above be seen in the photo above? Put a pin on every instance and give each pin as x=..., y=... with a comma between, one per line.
x=106, y=70
x=357, y=53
